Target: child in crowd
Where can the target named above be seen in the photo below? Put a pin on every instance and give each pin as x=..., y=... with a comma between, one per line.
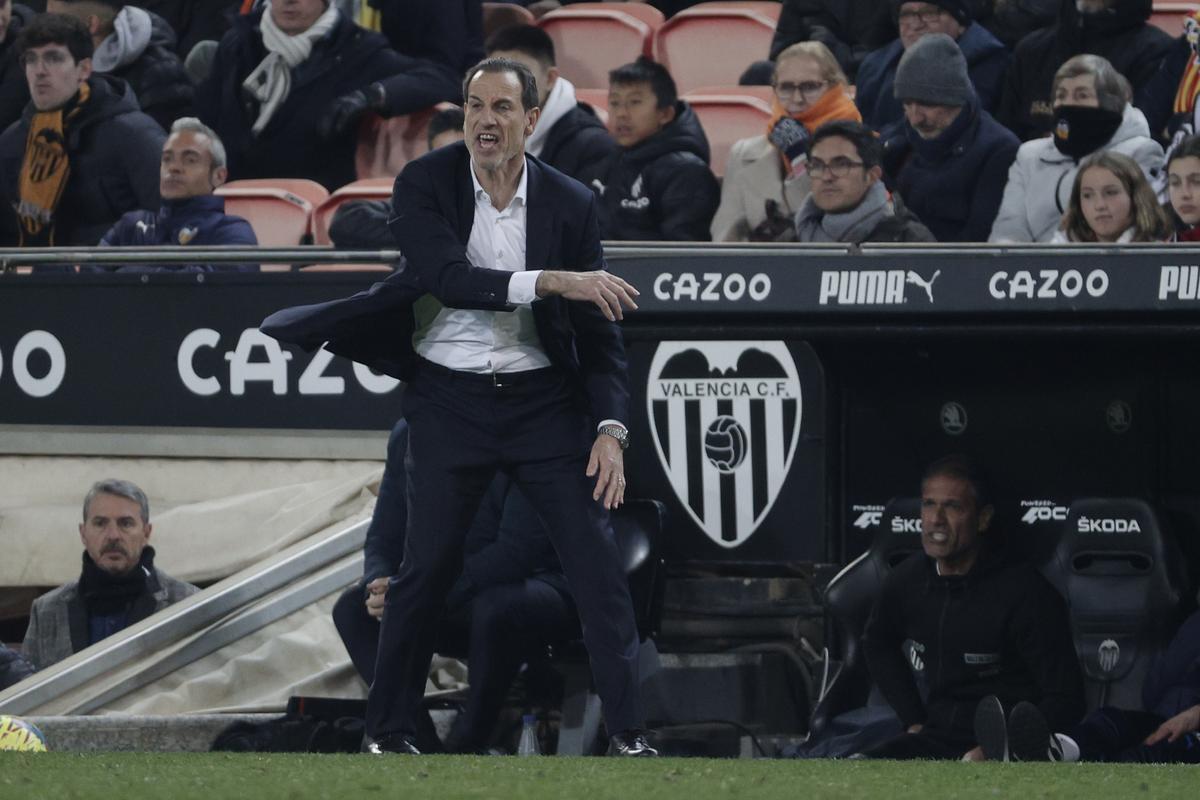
x=1183, y=189
x=1111, y=201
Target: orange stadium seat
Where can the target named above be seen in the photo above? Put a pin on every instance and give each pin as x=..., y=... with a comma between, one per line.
x=501, y=15
x=711, y=44
x=279, y=216
x=386, y=145
x=589, y=43
x=597, y=99
x=646, y=13
x=1169, y=17
x=367, y=189
x=730, y=113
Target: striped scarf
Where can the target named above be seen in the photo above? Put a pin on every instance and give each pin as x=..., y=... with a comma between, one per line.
x=45, y=168
x=1189, y=84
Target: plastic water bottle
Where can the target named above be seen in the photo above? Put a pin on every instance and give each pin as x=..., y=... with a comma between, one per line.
x=528, y=745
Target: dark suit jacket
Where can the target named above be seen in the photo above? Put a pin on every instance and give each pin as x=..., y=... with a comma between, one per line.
x=433, y=210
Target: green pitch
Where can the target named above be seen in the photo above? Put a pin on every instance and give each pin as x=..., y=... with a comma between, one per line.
x=132, y=776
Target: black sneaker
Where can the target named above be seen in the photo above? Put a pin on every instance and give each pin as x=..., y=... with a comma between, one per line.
x=1029, y=737
x=991, y=732
x=389, y=745
x=631, y=743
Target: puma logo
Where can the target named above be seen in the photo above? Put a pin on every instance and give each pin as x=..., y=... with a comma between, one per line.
x=917, y=280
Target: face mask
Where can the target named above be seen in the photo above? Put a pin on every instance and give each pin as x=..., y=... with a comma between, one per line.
x=1080, y=130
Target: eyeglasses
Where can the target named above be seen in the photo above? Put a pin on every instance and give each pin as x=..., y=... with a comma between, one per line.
x=838, y=167
x=51, y=58
x=926, y=15
x=808, y=90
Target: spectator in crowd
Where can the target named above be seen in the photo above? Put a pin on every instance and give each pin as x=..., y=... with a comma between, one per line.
x=1166, y=730
x=848, y=202
x=362, y=224
x=14, y=89
x=1010, y=20
x=951, y=158
x=509, y=603
x=1112, y=202
x=139, y=48
x=14, y=668
x=194, y=21
x=657, y=185
x=569, y=136
x=849, y=28
x=82, y=153
x=1169, y=98
x=971, y=621
x=1183, y=189
x=118, y=587
x=765, y=179
x=1114, y=29
x=273, y=92
x=987, y=59
x=192, y=166
x=1092, y=112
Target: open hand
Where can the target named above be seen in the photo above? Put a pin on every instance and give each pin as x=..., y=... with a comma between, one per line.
x=1183, y=723
x=608, y=292
x=607, y=463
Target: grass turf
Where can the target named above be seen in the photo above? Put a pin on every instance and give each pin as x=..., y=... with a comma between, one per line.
x=218, y=776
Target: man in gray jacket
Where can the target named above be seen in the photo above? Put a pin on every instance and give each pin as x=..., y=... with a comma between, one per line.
x=118, y=587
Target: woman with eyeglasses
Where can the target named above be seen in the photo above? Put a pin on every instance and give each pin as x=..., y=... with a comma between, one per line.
x=765, y=180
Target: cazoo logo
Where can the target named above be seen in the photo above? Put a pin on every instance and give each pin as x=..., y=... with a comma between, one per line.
x=1049, y=284
x=711, y=287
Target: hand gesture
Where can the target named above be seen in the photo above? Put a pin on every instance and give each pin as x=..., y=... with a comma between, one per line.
x=376, y=594
x=606, y=291
x=790, y=137
x=608, y=464
x=1183, y=723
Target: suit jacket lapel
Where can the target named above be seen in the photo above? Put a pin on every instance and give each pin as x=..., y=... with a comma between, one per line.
x=539, y=221
x=466, y=198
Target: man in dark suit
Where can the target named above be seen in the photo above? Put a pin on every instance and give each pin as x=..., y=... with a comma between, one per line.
x=510, y=367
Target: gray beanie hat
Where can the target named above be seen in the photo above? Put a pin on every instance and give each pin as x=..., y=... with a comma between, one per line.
x=933, y=71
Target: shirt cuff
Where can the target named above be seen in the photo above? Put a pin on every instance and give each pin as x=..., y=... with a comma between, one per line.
x=616, y=422
x=522, y=287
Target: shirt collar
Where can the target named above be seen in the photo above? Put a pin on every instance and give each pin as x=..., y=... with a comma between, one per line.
x=522, y=185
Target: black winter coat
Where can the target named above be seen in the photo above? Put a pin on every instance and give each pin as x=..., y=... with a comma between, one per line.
x=660, y=189
x=438, y=40
x=114, y=150
x=159, y=81
x=1122, y=36
x=955, y=182
x=1001, y=629
x=849, y=28
x=194, y=21
x=13, y=668
x=349, y=58
x=14, y=88
x=577, y=142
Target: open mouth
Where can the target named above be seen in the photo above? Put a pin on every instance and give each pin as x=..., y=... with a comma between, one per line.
x=487, y=139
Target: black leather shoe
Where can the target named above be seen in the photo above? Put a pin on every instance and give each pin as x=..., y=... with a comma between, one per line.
x=398, y=745
x=631, y=743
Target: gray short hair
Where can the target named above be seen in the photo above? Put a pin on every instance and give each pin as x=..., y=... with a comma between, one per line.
x=119, y=488
x=1112, y=89
x=216, y=147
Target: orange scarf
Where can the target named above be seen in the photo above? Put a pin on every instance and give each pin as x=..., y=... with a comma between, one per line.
x=45, y=168
x=834, y=104
x=1189, y=84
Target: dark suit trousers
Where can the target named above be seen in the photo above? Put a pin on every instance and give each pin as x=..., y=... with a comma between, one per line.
x=462, y=429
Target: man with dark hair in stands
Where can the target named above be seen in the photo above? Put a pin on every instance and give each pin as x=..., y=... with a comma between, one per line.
x=139, y=48
x=119, y=586
x=848, y=202
x=509, y=603
x=951, y=158
x=362, y=224
x=82, y=153
x=1115, y=29
x=569, y=136
x=272, y=94
x=657, y=185
x=968, y=621
x=192, y=166
x=14, y=89
x=987, y=59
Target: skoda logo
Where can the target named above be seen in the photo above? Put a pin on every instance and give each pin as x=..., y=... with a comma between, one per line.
x=954, y=418
x=1119, y=416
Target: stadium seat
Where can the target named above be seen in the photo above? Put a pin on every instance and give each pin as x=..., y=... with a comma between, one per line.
x=589, y=43
x=730, y=113
x=711, y=44
x=367, y=189
x=1169, y=17
x=386, y=145
x=311, y=191
x=1119, y=574
x=501, y=15
x=280, y=211
x=643, y=11
x=597, y=99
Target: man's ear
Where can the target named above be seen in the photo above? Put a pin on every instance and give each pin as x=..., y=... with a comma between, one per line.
x=985, y=517
x=218, y=176
x=531, y=120
x=85, y=69
x=666, y=115
x=551, y=78
x=149, y=530
x=874, y=174
x=82, y=538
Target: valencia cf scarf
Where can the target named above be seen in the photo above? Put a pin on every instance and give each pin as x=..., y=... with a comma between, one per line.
x=1189, y=84
x=45, y=170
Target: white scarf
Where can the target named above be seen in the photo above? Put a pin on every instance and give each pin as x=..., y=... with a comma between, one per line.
x=560, y=101
x=271, y=80
x=130, y=38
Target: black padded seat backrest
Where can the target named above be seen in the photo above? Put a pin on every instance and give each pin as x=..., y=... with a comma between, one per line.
x=1114, y=565
x=637, y=526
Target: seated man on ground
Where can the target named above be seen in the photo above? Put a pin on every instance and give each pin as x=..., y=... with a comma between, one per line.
x=509, y=603
x=848, y=202
x=82, y=154
x=950, y=159
x=987, y=59
x=192, y=166
x=1166, y=732
x=967, y=620
x=657, y=185
x=119, y=586
x=138, y=47
x=569, y=136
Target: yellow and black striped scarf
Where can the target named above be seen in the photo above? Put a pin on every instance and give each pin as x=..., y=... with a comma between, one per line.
x=45, y=170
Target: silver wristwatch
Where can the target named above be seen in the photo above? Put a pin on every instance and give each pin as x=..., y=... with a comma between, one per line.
x=617, y=432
